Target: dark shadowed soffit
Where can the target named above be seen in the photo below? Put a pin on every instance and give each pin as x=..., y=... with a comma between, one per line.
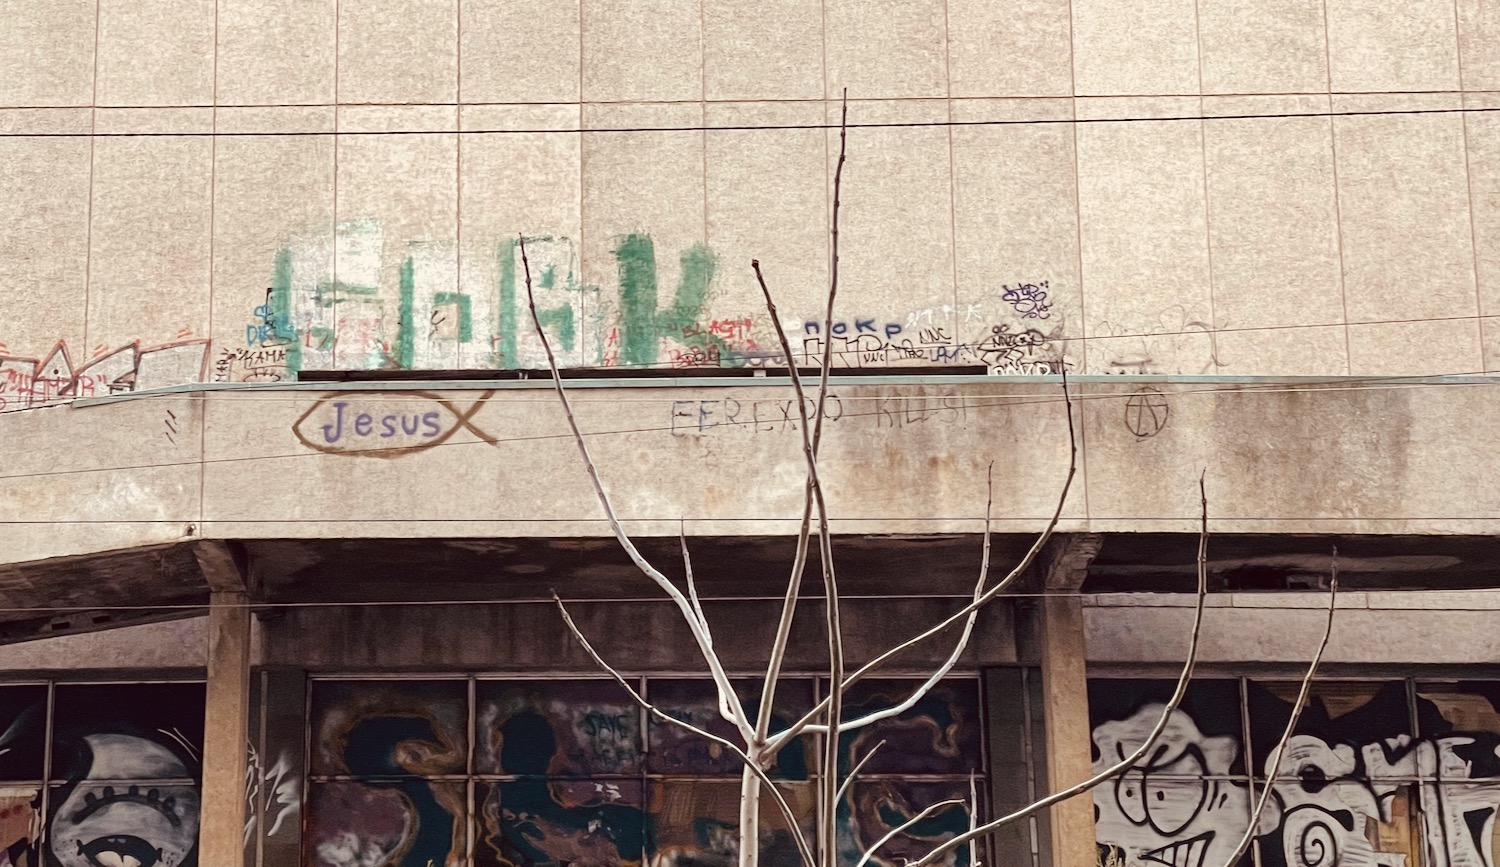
x=101, y=591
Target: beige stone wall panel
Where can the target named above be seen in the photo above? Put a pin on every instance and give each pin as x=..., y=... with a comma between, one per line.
x=768, y=50
x=1016, y=226
x=642, y=50
x=518, y=51
x=150, y=229
x=273, y=198
x=1274, y=235
x=1266, y=46
x=1479, y=43
x=133, y=482
x=397, y=203
x=484, y=494
x=276, y=52
x=397, y=51
x=47, y=52
x=767, y=200
x=886, y=49
x=647, y=185
x=43, y=244
x=1375, y=46
x=1010, y=49
x=1289, y=348
x=1407, y=238
x=1135, y=47
x=156, y=52
x=77, y=121
x=514, y=183
x=1366, y=457
x=1144, y=239
x=1414, y=348
x=896, y=224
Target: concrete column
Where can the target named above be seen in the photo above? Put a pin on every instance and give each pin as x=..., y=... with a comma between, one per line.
x=1065, y=697
x=222, y=822
x=1066, y=713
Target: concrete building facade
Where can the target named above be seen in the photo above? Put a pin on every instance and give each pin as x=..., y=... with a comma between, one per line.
x=286, y=492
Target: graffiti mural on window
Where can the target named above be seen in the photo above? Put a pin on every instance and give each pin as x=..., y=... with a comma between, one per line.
x=123, y=785
x=569, y=772
x=1386, y=774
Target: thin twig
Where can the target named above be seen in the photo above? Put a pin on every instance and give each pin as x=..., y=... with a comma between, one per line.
x=849, y=780
x=833, y=280
x=973, y=821
x=725, y=710
x=751, y=764
x=692, y=586
x=1145, y=748
x=736, y=714
x=1291, y=724
x=804, y=531
x=891, y=834
x=835, y=700
x=807, y=723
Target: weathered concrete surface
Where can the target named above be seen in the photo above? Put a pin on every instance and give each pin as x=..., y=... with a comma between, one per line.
x=170, y=646
x=1403, y=457
x=1283, y=629
x=1066, y=715
x=1124, y=632
x=75, y=482
x=633, y=636
x=227, y=710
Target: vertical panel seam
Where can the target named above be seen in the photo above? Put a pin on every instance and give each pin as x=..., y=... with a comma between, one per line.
x=1338, y=211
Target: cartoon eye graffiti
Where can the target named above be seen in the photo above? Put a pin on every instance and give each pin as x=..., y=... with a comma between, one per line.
x=1166, y=797
x=106, y=823
x=1130, y=794
x=121, y=850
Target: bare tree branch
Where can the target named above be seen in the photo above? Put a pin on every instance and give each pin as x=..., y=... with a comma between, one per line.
x=829, y=828
x=973, y=821
x=1291, y=724
x=807, y=723
x=735, y=713
x=725, y=710
x=804, y=532
x=1151, y=739
x=849, y=780
x=692, y=586
x=891, y=834
x=750, y=764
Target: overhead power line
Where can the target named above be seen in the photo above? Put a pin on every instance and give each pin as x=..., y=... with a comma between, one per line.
x=1104, y=595
x=873, y=125
x=897, y=370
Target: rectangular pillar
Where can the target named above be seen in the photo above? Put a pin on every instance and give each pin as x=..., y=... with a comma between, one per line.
x=1066, y=714
x=221, y=834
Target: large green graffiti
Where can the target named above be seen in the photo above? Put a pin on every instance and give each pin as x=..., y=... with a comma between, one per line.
x=281, y=309
x=444, y=322
x=642, y=323
x=559, y=320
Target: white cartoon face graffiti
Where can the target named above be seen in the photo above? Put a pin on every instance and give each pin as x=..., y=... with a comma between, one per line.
x=1169, y=809
x=107, y=821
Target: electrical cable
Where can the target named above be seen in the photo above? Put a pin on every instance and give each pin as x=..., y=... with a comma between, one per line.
x=1317, y=594
x=936, y=369
x=758, y=127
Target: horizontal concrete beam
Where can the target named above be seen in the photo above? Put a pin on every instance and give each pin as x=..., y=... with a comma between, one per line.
x=1428, y=628
x=1343, y=457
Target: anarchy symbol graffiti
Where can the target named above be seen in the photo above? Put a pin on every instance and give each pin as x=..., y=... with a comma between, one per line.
x=1146, y=413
